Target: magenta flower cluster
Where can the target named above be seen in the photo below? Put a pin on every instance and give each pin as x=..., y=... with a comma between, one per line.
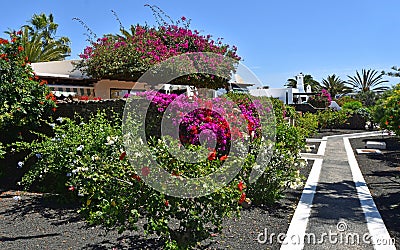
x=218, y=119
x=157, y=44
x=321, y=100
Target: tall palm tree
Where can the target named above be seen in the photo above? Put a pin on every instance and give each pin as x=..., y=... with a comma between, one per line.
x=37, y=51
x=369, y=80
x=308, y=80
x=335, y=86
x=43, y=26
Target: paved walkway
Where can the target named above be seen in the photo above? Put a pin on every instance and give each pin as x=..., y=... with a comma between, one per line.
x=336, y=210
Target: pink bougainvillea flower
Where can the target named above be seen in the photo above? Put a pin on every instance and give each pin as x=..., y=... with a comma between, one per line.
x=71, y=188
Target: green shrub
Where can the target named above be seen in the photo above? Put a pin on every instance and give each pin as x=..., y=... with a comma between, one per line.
x=352, y=106
x=307, y=123
x=387, y=110
x=24, y=100
x=331, y=119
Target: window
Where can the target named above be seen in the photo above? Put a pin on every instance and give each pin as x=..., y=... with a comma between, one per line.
x=118, y=93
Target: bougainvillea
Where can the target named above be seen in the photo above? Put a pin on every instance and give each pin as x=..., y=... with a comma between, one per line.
x=128, y=56
x=219, y=117
x=321, y=100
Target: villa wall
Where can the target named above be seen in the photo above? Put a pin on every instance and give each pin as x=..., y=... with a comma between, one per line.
x=103, y=87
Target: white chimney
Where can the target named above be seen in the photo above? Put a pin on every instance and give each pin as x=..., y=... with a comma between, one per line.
x=300, y=82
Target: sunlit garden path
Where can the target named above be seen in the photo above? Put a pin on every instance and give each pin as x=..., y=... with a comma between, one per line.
x=336, y=208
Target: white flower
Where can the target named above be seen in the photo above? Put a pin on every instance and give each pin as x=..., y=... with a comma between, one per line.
x=82, y=123
x=95, y=158
x=80, y=148
x=60, y=119
x=20, y=164
x=69, y=174
x=17, y=198
x=52, y=125
x=39, y=156
x=110, y=142
x=75, y=171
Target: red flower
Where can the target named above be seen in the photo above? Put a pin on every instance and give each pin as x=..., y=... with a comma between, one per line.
x=223, y=158
x=19, y=32
x=242, y=198
x=212, y=156
x=20, y=48
x=54, y=109
x=136, y=177
x=240, y=185
x=387, y=122
x=3, y=41
x=145, y=171
x=71, y=188
x=122, y=156
x=166, y=203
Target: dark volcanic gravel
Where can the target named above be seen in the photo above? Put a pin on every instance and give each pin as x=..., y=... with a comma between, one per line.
x=382, y=174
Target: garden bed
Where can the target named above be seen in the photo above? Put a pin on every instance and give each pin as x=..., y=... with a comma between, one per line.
x=382, y=175
x=37, y=221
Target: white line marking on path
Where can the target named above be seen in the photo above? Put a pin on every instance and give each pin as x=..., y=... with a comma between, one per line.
x=298, y=225
x=376, y=226
x=296, y=232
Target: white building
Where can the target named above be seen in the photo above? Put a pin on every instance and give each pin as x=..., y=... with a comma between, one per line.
x=286, y=95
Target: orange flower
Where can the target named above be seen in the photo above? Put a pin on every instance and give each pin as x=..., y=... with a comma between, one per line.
x=240, y=185
x=212, y=156
x=43, y=82
x=387, y=122
x=223, y=158
x=3, y=41
x=20, y=48
x=242, y=198
x=54, y=109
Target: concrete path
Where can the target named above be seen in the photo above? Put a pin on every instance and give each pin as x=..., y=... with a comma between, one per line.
x=336, y=210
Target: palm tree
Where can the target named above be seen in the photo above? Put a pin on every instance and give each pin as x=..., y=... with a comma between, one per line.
x=370, y=80
x=37, y=51
x=335, y=86
x=308, y=80
x=43, y=28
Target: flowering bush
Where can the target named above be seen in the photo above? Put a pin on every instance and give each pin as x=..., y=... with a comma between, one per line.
x=321, y=100
x=89, y=162
x=387, y=110
x=128, y=56
x=24, y=99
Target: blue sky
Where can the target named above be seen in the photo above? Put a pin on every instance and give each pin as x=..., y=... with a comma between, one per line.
x=276, y=39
